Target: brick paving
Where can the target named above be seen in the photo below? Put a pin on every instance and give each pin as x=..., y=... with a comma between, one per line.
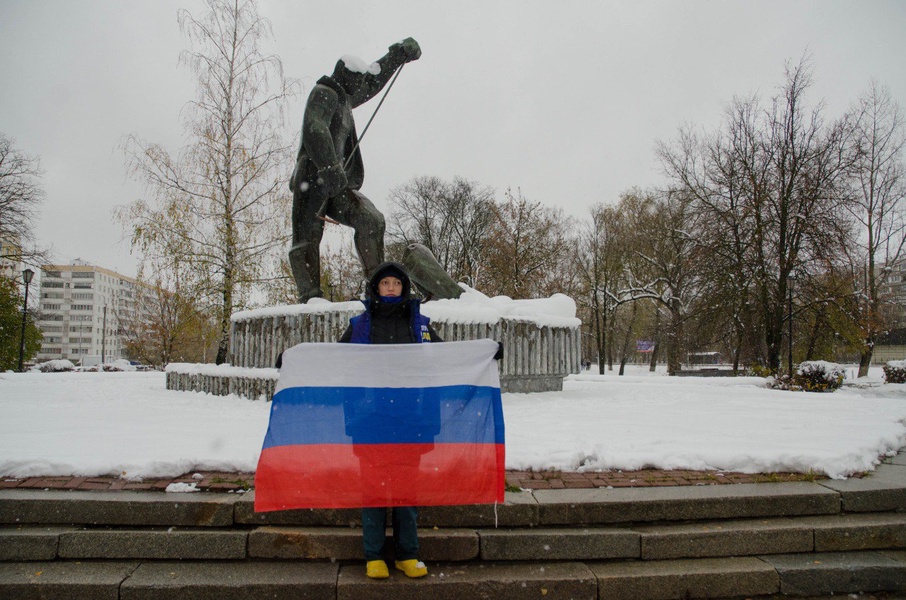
x=529, y=480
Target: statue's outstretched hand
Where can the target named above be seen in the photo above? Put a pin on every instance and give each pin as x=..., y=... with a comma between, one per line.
x=408, y=48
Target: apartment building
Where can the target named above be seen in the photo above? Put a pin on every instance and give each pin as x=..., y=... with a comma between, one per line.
x=83, y=311
x=893, y=293
x=11, y=259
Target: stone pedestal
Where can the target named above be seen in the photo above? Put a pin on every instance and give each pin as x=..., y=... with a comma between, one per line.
x=536, y=357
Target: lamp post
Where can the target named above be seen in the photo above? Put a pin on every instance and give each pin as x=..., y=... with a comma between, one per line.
x=790, y=280
x=27, y=274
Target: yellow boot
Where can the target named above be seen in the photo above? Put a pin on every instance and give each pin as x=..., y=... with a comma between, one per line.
x=412, y=567
x=377, y=569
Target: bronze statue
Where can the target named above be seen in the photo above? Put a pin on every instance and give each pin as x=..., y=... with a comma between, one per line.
x=329, y=171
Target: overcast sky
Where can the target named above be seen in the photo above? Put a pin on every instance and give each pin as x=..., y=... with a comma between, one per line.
x=564, y=100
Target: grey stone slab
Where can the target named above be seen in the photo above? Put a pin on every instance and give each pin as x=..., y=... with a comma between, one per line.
x=890, y=472
x=234, y=580
x=682, y=503
x=897, y=459
x=312, y=517
x=448, y=544
x=869, y=494
x=558, y=544
x=838, y=573
x=63, y=580
x=725, y=538
x=898, y=555
x=161, y=544
x=30, y=543
x=685, y=578
x=340, y=543
x=520, y=509
x=492, y=581
x=346, y=544
x=870, y=531
x=116, y=508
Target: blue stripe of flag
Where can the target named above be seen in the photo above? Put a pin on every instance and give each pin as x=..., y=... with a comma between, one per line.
x=345, y=415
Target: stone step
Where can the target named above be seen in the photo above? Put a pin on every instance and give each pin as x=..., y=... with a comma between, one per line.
x=737, y=577
x=521, y=509
x=884, y=490
x=703, y=539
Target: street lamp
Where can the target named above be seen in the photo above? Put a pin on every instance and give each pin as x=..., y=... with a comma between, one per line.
x=27, y=274
x=790, y=280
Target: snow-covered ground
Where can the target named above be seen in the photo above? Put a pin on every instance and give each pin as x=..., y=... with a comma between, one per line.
x=128, y=424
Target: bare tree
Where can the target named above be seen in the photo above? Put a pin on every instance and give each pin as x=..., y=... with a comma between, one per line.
x=452, y=219
x=599, y=265
x=664, y=264
x=162, y=322
x=21, y=195
x=877, y=202
x=528, y=251
x=772, y=181
x=219, y=206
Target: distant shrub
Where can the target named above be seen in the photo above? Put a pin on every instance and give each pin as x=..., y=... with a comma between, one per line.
x=895, y=371
x=118, y=365
x=759, y=371
x=812, y=376
x=55, y=366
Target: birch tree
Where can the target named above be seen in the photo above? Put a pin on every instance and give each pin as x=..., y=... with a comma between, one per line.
x=21, y=195
x=219, y=207
x=877, y=202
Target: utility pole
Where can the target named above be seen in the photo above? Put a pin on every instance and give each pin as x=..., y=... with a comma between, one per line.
x=104, y=338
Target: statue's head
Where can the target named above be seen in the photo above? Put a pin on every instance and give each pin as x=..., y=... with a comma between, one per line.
x=350, y=73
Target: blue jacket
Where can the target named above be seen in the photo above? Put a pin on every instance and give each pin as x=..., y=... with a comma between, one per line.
x=418, y=323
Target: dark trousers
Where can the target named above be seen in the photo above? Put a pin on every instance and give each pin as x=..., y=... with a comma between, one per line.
x=405, y=532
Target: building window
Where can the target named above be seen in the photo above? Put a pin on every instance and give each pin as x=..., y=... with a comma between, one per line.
x=82, y=307
x=83, y=275
x=52, y=306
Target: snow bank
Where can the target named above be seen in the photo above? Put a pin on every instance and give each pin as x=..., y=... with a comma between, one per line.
x=220, y=370
x=128, y=424
x=314, y=306
x=472, y=307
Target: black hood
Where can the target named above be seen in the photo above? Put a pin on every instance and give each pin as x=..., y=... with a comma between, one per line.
x=389, y=269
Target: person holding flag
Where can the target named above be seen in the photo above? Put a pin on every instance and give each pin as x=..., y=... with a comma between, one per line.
x=391, y=317
x=386, y=419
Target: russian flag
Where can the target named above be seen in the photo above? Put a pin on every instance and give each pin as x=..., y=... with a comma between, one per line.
x=356, y=425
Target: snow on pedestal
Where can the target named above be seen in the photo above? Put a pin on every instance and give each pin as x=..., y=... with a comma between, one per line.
x=541, y=340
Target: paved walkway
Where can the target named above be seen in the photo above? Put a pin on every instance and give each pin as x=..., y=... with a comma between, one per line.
x=530, y=480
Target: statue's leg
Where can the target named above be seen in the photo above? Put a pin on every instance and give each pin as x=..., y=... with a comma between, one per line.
x=305, y=256
x=356, y=211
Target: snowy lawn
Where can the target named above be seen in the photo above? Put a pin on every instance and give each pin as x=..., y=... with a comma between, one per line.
x=128, y=424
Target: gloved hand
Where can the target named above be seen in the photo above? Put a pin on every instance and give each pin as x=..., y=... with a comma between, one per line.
x=408, y=49
x=499, y=354
x=332, y=179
